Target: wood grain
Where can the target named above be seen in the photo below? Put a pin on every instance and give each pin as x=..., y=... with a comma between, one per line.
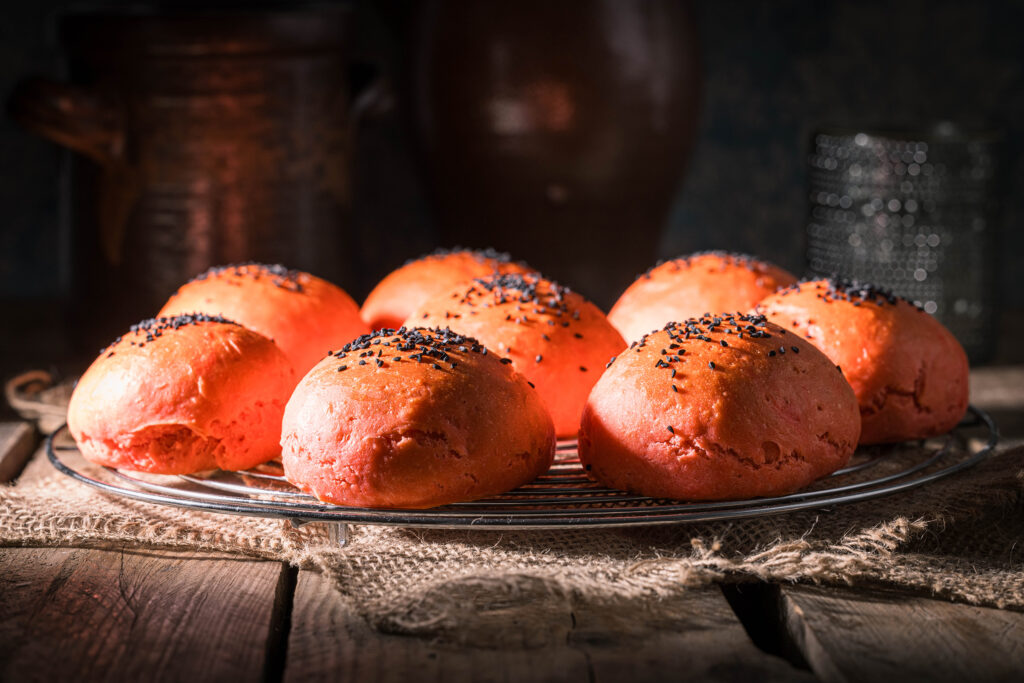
x=999, y=391
x=862, y=636
x=108, y=615
x=17, y=440
x=695, y=638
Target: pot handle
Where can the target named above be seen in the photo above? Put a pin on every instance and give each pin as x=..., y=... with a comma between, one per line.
x=69, y=115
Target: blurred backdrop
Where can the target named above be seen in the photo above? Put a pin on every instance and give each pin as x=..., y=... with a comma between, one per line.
x=769, y=74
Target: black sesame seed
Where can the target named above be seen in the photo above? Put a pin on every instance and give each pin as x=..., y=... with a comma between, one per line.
x=539, y=358
x=675, y=389
x=582, y=369
x=435, y=366
x=795, y=349
x=771, y=353
x=724, y=343
x=711, y=364
x=362, y=362
x=506, y=361
x=669, y=428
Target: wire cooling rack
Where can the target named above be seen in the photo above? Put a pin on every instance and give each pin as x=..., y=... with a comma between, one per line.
x=563, y=497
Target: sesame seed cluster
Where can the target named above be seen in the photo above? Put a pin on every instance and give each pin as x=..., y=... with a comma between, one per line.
x=715, y=332
x=852, y=291
x=153, y=328
x=280, y=276
x=533, y=300
x=480, y=255
x=530, y=294
x=432, y=346
x=729, y=258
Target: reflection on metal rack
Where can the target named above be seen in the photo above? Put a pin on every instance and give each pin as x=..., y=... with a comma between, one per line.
x=563, y=497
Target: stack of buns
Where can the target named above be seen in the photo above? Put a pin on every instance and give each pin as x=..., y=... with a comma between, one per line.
x=739, y=382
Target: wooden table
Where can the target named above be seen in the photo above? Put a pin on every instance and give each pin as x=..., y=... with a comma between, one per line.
x=126, y=615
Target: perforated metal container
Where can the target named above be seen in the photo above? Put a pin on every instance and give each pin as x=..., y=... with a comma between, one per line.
x=914, y=212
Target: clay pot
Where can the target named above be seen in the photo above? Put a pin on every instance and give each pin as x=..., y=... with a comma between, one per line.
x=203, y=138
x=558, y=131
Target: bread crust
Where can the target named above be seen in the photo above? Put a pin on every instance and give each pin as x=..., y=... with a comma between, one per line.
x=909, y=373
x=181, y=395
x=403, y=290
x=682, y=415
x=557, y=339
x=414, y=419
x=685, y=287
x=303, y=314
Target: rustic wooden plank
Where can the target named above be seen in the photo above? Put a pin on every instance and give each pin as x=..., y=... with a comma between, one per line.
x=874, y=636
x=75, y=614
x=998, y=387
x=999, y=390
x=694, y=638
x=17, y=441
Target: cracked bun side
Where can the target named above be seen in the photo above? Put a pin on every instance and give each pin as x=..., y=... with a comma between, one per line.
x=182, y=394
x=909, y=373
x=687, y=286
x=717, y=408
x=414, y=418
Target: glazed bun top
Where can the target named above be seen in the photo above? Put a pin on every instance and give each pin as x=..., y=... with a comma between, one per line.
x=403, y=290
x=198, y=376
x=687, y=287
x=414, y=418
x=718, y=407
x=303, y=314
x=909, y=373
x=557, y=339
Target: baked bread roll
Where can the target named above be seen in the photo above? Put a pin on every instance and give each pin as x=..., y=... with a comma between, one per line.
x=909, y=373
x=304, y=315
x=182, y=394
x=404, y=290
x=557, y=339
x=686, y=287
x=414, y=418
x=718, y=408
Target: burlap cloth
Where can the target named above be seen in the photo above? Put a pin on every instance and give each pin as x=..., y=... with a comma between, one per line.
x=958, y=539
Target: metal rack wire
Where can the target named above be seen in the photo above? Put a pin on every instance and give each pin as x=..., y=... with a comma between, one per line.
x=562, y=497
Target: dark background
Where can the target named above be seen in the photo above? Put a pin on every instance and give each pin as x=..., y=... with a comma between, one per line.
x=773, y=73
